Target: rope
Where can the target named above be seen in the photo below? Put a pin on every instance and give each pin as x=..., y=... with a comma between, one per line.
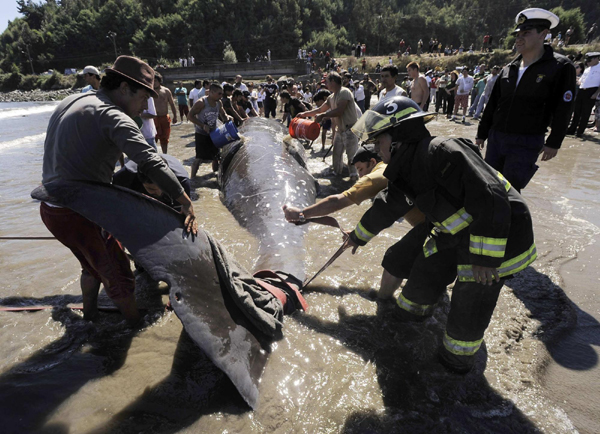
x=327, y=221
x=27, y=238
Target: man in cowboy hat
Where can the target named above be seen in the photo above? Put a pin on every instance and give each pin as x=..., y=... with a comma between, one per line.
x=87, y=133
x=534, y=91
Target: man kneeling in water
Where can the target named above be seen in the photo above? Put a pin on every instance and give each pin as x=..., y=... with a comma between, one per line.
x=370, y=168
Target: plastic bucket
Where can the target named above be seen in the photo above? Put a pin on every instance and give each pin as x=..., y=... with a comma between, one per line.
x=225, y=134
x=304, y=129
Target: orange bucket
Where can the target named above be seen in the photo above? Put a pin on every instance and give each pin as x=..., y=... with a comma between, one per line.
x=304, y=129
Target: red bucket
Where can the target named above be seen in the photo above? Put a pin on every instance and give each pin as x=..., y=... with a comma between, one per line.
x=304, y=129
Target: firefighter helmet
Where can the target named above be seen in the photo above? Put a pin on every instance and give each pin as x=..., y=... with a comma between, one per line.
x=388, y=114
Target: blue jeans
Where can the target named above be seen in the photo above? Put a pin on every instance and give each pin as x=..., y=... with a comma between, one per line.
x=514, y=155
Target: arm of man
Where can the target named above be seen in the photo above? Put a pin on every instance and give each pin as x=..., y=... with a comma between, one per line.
x=387, y=207
x=424, y=90
x=222, y=114
x=197, y=108
x=461, y=173
x=327, y=206
x=128, y=137
x=318, y=110
x=172, y=104
x=234, y=114
x=337, y=112
x=563, y=96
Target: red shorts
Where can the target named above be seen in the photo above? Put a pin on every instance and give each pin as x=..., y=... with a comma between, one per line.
x=163, y=128
x=461, y=100
x=99, y=253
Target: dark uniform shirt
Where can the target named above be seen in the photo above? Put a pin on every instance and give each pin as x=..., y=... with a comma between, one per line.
x=461, y=196
x=544, y=97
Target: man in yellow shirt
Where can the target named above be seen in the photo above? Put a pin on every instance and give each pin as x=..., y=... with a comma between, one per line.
x=370, y=169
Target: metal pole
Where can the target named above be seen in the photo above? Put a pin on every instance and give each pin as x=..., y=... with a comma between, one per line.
x=29, y=57
x=112, y=35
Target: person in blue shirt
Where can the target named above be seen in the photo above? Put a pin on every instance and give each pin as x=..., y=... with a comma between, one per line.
x=182, y=101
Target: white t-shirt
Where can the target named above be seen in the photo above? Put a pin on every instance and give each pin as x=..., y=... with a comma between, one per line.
x=590, y=77
x=194, y=95
x=396, y=91
x=465, y=84
x=148, y=128
x=261, y=95
x=522, y=70
x=428, y=79
x=308, y=96
x=254, y=99
x=359, y=93
x=242, y=87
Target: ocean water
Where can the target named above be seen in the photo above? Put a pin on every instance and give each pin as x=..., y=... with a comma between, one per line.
x=347, y=365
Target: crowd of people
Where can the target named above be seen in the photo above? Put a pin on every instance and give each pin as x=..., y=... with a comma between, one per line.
x=471, y=224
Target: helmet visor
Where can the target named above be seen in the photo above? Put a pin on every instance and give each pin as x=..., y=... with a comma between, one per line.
x=369, y=124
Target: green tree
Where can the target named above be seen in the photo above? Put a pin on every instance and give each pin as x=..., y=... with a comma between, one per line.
x=228, y=53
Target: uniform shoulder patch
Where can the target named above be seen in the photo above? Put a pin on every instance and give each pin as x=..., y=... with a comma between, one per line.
x=568, y=96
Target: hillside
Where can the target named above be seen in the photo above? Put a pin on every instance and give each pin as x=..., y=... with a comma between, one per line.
x=72, y=33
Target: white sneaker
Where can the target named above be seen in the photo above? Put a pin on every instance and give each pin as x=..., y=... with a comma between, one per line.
x=452, y=117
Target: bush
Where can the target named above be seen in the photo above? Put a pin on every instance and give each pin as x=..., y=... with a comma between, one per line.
x=12, y=80
x=55, y=81
x=228, y=53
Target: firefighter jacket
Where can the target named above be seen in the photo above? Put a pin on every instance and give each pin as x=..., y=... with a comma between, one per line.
x=543, y=97
x=467, y=203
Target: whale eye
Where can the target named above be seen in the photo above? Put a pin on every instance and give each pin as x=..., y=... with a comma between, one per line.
x=178, y=296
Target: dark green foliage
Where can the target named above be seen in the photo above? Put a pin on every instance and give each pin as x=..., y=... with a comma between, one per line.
x=63, y=34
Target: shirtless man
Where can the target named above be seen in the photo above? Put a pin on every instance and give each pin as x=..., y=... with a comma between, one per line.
x=420, y=90
x=162, y=121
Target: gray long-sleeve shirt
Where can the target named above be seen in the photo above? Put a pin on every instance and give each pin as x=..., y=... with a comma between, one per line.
x=85, y=137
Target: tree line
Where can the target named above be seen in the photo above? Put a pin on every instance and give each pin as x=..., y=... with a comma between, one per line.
x=59, y=34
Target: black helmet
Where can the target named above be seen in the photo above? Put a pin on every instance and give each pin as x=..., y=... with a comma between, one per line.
x=388, y=114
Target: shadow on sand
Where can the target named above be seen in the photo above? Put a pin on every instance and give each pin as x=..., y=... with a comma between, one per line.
x=568, y=332
x=420, y=396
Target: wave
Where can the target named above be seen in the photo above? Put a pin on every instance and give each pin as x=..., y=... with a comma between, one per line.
x=26, y=111
x=22, y=142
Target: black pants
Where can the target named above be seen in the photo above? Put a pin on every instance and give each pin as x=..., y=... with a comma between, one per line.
x=270, y=106
x=472, y=304
x=583, y=109
x=441, y=100
x=450, y=107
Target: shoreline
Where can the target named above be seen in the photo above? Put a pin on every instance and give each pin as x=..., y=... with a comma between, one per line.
x=36, y=95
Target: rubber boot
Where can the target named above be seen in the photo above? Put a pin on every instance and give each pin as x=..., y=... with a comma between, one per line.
x=455, y=363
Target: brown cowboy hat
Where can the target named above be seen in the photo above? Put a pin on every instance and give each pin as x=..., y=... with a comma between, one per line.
x=135, y=70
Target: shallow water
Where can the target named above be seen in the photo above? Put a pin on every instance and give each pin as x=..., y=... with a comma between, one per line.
x=347, y=365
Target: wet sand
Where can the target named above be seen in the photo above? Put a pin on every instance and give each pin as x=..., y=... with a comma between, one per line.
x=348, y=365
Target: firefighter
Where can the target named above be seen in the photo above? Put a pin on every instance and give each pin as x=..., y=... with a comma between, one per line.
x=477, y=230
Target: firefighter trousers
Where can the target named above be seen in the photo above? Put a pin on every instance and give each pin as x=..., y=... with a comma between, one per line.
x=472, y=304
